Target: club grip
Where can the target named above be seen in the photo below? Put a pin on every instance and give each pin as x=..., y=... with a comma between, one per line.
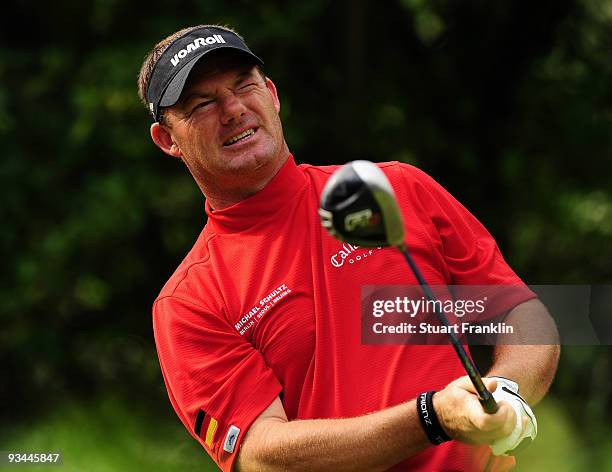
x=488, y=402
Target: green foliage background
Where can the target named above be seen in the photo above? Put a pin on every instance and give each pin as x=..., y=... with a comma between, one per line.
x=507, y=103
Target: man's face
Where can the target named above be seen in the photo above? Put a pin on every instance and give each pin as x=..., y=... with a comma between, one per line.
x=226, y=122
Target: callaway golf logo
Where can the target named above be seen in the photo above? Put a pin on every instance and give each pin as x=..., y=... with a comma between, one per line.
x=215, y=38
x=350, y=253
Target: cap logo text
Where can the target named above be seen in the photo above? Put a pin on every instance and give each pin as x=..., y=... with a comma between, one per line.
x=215, y=38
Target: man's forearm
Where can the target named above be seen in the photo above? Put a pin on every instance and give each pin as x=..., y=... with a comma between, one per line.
x=372, y=442
x=532, y=366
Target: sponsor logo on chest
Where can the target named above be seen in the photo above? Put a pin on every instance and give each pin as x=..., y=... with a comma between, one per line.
x=351, y=254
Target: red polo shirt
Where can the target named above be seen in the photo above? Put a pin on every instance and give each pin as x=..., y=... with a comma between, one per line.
x=267, y=304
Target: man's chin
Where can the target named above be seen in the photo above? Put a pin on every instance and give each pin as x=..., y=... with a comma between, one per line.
x=253, y=156
x=247, y=162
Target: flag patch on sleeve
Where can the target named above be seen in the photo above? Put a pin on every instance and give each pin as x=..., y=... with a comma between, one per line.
x=210, y=432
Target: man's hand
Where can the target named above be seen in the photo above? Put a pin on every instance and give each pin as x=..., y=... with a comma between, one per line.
x=462, y=417
x=526, y=425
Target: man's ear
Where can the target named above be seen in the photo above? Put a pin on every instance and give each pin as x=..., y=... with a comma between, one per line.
x=163, y=140
x=274, y=93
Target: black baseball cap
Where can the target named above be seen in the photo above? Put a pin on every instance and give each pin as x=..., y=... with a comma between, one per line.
x=173, y=67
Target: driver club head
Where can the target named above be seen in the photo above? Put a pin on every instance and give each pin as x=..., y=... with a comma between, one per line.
x=358, y=206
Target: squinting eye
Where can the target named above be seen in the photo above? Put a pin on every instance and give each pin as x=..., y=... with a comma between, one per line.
x=242, y=87
x=201, y=105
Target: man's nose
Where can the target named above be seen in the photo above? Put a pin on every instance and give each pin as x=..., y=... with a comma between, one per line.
x=232, y=108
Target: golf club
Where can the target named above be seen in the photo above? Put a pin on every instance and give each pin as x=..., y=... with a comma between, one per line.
x=358, y=206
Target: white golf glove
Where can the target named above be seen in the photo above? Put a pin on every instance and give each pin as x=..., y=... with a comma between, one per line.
x=507, y=391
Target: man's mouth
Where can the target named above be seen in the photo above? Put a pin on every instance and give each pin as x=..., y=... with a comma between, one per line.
x=239, y=137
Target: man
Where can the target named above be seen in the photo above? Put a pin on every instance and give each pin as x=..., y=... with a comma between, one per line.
x=258, y=330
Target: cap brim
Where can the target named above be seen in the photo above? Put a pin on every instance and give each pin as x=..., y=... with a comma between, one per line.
x=175, y=88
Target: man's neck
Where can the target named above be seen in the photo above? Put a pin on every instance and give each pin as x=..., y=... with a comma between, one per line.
x=222, y=197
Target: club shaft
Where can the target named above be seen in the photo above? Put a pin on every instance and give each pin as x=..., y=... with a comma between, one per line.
x=486, y=398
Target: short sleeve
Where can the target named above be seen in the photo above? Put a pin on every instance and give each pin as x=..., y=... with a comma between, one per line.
x=217, y=382
x=470, y=253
